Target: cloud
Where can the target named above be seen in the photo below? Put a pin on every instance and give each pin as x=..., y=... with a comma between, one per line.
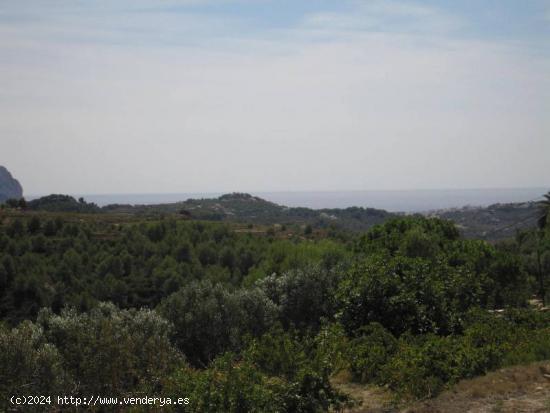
x=385, y=16
x=124, y=23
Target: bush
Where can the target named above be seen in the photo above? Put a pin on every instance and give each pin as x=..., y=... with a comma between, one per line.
x=236, y=385
x=422, y=366
x=227, y=386
x=209, y=320
x=304, y=296
x=406, y=294
x=372, y=348
x=111, y=351
x=410, y=236
x=29, y=365
x=421, y=370
x=510, y=283
x=303, y=364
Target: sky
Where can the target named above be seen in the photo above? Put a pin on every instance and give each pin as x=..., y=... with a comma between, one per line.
x=154, y=96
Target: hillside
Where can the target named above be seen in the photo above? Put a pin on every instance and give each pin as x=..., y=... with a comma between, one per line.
x=268, y=320
x=240, y=207
x=9, y=186
x=495, y=222
x=62, y=203
x=492, y=223
x=509, y=390
x=523, y=388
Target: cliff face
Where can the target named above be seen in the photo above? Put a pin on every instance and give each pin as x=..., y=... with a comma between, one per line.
x=9, y=186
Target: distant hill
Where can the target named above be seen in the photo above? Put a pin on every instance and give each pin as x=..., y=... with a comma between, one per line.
x=9, y=186
x=498, y=221
x=494, y=222
x=491, y=223
x=62, y=203
x=240, y=207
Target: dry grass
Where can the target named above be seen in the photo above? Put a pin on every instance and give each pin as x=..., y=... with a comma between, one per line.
x=369, y=399
x=519, y=389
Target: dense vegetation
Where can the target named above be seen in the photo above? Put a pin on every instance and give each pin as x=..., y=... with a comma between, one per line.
x=492, y=223
x=240, y=320
x=235, y=208
x=62, y=203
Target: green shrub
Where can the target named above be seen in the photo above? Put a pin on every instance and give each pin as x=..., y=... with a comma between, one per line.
x=303, y=363
x=209, y=320
x=423, y=366
x=227, y=386
x=370, y=351
x=305, y=297
x=239, y=385
x=111, y=351
x=421, y=369
x=405, y=294
x=29, y=365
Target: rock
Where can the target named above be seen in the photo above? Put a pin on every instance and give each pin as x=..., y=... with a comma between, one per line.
x=9, y=186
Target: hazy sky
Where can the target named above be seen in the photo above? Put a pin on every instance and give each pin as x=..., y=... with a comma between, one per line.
x=135, y=96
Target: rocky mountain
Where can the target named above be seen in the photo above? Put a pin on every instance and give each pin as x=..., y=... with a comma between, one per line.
x=9, y=186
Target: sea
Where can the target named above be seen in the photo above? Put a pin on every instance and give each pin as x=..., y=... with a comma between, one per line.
x=393, y=201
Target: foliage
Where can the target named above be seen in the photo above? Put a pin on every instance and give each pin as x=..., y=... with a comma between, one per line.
x=418, y=276
x=210, y=320
x=111, y=351
x=369, y=351
x=407, y=294
x=239, y=320
x=544, y=206
x=55, y=262
x=227, y=386
x=302, y=362
x=412, y=237
x=423, y=365
x=305, y=297
x=29, y=364
x=278, y=372
x=62, y=203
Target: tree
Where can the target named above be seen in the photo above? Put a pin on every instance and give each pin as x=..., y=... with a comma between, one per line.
x=406, y=294
x=210, y=320
x=118, y=351
x=304, y=296
x=544, y=206
x=34, y=225
x=15, y=229
x=542, y=223
x=29, y=365
x=12, y=203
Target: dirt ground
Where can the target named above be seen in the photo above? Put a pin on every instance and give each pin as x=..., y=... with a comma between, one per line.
x=519, y=389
